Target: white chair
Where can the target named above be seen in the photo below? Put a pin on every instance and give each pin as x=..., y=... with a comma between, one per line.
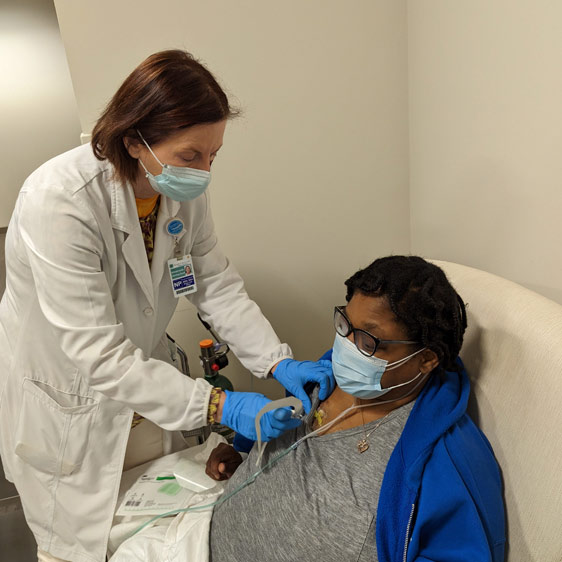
x=513, y=354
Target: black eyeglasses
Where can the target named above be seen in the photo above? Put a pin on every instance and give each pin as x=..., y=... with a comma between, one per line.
x=366, y=343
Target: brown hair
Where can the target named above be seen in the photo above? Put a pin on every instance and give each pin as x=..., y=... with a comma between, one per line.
x=168, y=91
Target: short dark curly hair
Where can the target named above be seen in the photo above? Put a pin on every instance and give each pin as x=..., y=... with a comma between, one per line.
x=421, y=298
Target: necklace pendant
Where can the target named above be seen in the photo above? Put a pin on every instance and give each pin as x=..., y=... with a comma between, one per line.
x=362, y=446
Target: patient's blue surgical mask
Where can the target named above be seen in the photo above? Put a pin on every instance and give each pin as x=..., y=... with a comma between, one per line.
x=179, y=183
x=359, y=375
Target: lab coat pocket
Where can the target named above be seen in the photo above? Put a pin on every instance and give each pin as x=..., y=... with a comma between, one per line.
x=53, y=428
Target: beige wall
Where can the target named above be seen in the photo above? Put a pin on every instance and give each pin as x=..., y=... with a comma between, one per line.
x=38, y=110
x=318, y=177
x=312, y=182
x=485, y=97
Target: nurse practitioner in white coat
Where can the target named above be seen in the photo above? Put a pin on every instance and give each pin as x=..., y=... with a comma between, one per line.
x=96, y=254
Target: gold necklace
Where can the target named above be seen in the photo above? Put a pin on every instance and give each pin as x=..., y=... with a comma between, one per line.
x=362, y=445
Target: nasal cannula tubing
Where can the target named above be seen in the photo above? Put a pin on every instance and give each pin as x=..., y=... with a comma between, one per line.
x=278, y=457
x=222, y=499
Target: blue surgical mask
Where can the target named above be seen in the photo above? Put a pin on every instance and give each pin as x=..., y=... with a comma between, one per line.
x=177, y=182
x=359, y=375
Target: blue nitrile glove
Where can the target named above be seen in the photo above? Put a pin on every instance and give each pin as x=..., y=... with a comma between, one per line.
x=293, y=375
x=327, y=355
x=240, y=409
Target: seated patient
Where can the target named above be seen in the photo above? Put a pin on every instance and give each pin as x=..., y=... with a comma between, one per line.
x=408, y=477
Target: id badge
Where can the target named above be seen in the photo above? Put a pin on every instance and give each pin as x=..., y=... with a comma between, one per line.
x=182, y=276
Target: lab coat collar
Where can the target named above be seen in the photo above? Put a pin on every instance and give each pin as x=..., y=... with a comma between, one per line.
x=124, y=217
x=124, y=214
x=163, y=242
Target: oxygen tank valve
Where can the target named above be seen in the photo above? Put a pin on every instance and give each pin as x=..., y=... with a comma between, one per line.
x=212, y=361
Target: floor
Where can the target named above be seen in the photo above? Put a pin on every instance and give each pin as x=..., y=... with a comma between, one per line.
x=18, y=544
x=16, y=541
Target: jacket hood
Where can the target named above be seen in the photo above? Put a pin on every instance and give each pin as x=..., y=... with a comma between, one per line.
x=440, y=405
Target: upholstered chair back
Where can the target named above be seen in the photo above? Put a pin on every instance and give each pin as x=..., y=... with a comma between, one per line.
x=513, y=354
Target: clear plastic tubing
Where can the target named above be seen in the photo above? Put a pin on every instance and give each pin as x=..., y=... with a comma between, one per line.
x=273, y=461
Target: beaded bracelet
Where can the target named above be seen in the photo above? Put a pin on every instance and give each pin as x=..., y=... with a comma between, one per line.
x=213, y=404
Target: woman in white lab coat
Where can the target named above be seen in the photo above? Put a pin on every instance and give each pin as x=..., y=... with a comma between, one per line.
x=96, y=256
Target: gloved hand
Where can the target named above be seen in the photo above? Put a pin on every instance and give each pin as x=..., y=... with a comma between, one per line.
x=293, y=375
x=240, y=409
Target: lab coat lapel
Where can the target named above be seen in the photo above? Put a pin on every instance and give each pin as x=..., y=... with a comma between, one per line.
x=163, y=242
x=124, y=217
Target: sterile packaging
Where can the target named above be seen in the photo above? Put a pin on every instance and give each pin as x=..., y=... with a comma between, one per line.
x=154, y=494
x=157, y=491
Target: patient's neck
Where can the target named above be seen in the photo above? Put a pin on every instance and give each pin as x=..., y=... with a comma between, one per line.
x=339, y=401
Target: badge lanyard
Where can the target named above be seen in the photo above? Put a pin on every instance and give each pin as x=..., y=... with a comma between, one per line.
x=180, y=267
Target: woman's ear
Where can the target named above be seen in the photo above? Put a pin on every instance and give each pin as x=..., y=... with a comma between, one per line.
x=428, y=361
x=133, y=146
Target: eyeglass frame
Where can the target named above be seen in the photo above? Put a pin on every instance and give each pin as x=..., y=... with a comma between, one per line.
x=352, y=330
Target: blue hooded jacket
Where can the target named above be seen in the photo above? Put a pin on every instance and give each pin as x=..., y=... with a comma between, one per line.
x=441, y=497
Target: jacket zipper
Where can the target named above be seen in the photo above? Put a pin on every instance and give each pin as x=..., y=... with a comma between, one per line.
x=408, y=532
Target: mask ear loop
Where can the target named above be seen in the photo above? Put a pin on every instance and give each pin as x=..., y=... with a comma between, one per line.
x=151, y=151
x=397, y=364
x=403, y=384
x=148, y=174
x=400, y=362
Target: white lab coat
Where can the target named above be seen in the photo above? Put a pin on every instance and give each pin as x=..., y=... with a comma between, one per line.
x=82, y=342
